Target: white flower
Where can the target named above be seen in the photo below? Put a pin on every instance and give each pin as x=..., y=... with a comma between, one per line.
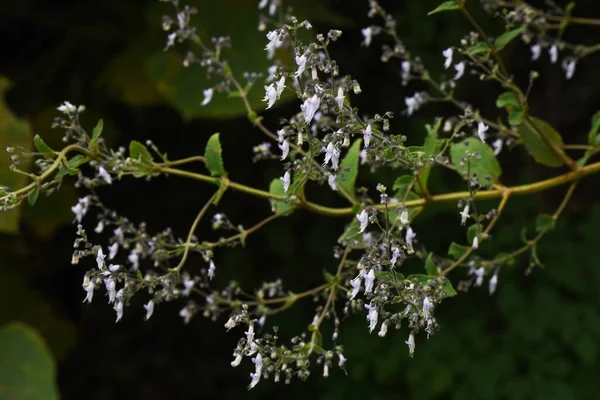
x=367, y=133
x=363, y=218
x=119, y=310
x=342, y=360
x=481, y=130
x=230, y=323
x=395, y=255
x=479, y=273
x=134, y=259
x=331, y=181
x=355, y=283
x=497, y=145
x=301, y=61
x=286, y=179
x=258, y=365
x=171, y=40
x=274, y=43
x=237, y=360
x=67, y=108
x=114, y=268
x=270, y=95
x=475, y=244
x=261, y=320
x=112, y=250
x=553, y=54
x=372, y=316
x=448, y=54
x=188, y=285
x=208, y=94
x=273, y=7
x=310, y=107
x=100, y=227
x=536, y=51
x=332, y=154
x=104, y=175
x=493, y=283
x=271, y=71
x=300, y=140
x=81, y=208
x=410, y=235
x=464, y=215
x=404, y=217
x=285, y=149
x=405, y=70
x=569, y=67
x=211, y=270
x=262, y=4
x=340, y=97
x=368, y=34
x=383, y=330
x=100, y=258
x=88, y=286
x=363, y=156
x=460, y=70
x=250, y=333
x=413, y=103
x=280, y=86
x=119, y=234
x=186, y=314
x=369, y=280
x=411, y=344
x=149, y=307
x=427, y=306
x=111, y=286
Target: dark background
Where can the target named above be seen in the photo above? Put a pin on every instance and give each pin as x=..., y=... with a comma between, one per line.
x=537, y=338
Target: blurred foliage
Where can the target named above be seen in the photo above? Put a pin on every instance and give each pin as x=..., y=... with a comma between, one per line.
x=26, y=367
x=536, y=338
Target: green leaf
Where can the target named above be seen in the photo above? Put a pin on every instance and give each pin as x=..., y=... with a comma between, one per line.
x=97, y=130
x=456, y=251
x=41, y=146
x=448, y=288
x=139, y=152
x=544, y=222
x=212, y=156
x=514, y=106
x=352, y=235
x=507, y=37
x=593, y=137
x=14, y=132
x=484, y=167
x=445, y=6
x=530, y=132
x=430, y=267
x=480, y=47
x=401, y=185
x=472, y=232
x=348, y=171
x=33, y=196
x=279, y=206
x=76, y=161
x=27, y=370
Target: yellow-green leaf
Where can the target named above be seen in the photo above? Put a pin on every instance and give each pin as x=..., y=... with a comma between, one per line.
x=485, y=166
x=213, y=157
x=532, y=131
x=445, y=6
x=507, y=37
x=279, y=206
x=348, y=171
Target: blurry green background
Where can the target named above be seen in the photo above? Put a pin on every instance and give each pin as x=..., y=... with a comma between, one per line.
x=537, y=338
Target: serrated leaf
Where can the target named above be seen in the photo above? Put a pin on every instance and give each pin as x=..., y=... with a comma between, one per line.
x=33, y=196
x=41, y=146
x=430, y=267
x=279, y=206
x=593, y=134
x=348, y=171
x=484, y=167
x=544, y=222
x=456, y=251
x=212, y=156
x=514, y=106
x=445, y=6
x=98, y=130
x=27, y=370
x=507, y=37
x=530, y=132
x=480, y=47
